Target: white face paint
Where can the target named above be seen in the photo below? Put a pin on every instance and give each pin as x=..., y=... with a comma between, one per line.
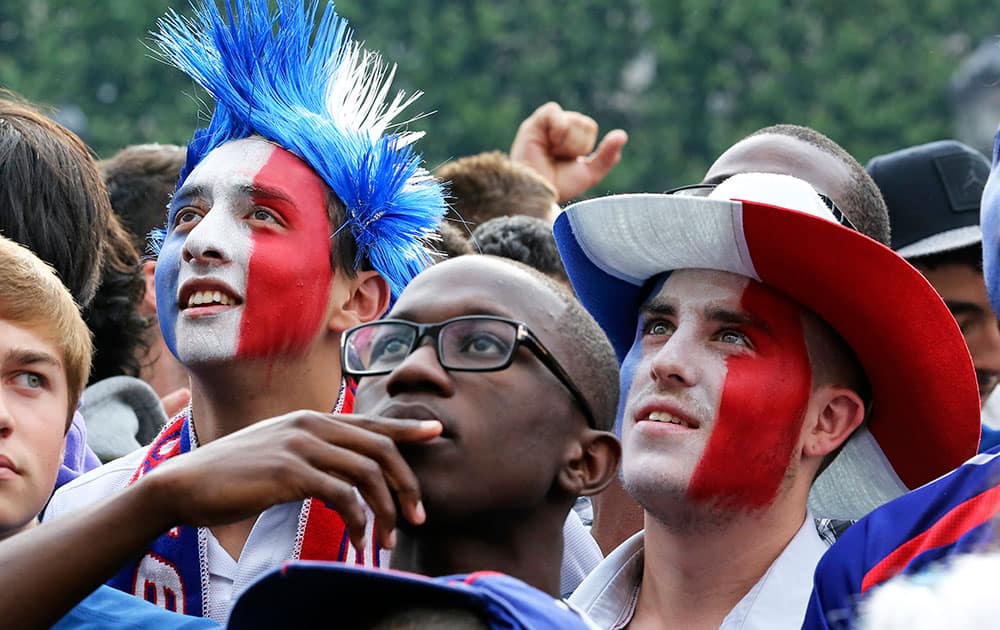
x=215, y=256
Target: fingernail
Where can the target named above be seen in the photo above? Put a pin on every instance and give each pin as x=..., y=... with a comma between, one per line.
x=390, y=540
x=420, y=514
x=430, y=424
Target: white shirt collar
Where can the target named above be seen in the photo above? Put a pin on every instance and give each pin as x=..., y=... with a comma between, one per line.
x=778, y=599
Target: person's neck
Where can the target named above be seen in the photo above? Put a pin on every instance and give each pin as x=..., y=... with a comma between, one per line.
x=225, y=399
x=695, y=574
x=526, y=546
x=159, y=367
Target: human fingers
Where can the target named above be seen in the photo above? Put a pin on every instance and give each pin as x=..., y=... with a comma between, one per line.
x=368, y=476
x=573, y=135
x=376, y=438
x=608, y=153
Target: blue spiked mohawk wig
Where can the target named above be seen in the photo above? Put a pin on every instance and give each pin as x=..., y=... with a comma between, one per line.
x=311, y=89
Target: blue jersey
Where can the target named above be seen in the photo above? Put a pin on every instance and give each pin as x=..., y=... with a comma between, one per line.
x=948, y=516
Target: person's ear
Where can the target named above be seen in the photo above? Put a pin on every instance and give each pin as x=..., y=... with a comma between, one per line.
x=835, y=412
x=590, y=463
x=147, y=308
x=363, y=298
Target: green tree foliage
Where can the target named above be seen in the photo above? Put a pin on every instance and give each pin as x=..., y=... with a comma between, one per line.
x=686, y=78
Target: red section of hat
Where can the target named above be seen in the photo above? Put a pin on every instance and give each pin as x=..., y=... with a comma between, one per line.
x=925, y=413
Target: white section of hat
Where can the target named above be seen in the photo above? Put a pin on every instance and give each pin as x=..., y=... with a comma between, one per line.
x=635, y=237
x=774, y=189
x=858, y=480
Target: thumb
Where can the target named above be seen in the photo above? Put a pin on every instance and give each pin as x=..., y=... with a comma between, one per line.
x=608, y=153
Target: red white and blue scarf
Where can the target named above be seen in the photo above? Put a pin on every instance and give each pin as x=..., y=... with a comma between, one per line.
x=173, y=573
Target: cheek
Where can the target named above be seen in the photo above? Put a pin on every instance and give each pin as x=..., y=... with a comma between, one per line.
x=758, y=424
x=165, y=281
x=288, y=281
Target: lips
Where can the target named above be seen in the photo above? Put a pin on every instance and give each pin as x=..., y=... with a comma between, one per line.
x=207, y=297
x=665, y=413
x=7, y=466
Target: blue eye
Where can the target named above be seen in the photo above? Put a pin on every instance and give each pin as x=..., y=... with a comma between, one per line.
x=658, y=328
x=734, y=337
x=30, y=380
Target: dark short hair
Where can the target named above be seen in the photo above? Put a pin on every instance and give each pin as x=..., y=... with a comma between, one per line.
x=970, y=255
x=489, y=185
x=113, y=315
x=140, y=179
x=863, y=204
x=522, y=238
x=52, y=199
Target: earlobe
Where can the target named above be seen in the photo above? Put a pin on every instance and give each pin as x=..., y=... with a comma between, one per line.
x=839, y=413
x=363, y=298
x=591, y=464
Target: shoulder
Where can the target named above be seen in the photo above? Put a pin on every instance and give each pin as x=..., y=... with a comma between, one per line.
x=101, y=482
x=110, y=608
x=947, y=516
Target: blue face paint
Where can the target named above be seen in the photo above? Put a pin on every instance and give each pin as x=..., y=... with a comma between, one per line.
x=990, y=222
x=631, y=360
x=168, y=265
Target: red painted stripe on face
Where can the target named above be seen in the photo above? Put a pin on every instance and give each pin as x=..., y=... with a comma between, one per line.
x=288, y=282
x=760, y=414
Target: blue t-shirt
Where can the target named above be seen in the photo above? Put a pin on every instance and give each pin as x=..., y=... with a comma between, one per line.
x=948, y=516
x=110, y=608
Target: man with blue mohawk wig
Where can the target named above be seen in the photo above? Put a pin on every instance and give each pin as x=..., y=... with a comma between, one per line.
x=301, y=212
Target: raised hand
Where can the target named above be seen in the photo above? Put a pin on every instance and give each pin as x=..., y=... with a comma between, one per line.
x=559, y=145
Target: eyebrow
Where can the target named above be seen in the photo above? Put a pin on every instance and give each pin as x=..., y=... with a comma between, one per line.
x=265, y=192
x=958, y=307
x=24, y=356
x=739, y=318
x=711, y=313
x=186, y=193
x=658, y=307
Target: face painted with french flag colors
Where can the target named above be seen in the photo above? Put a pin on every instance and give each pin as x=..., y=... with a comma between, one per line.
x=245, y=271
x=720, y=382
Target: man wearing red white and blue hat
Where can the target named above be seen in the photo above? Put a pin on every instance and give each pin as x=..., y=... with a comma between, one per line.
x=762, y=343
x=953, y=515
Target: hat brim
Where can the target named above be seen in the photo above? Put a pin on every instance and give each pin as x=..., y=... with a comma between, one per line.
x=925, y=411
x=943, y=242
x=302, y=592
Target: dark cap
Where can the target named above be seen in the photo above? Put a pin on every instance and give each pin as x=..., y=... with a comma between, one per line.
x=933, y=192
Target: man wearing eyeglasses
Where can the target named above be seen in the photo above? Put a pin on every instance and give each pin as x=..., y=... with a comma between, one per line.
x=485, y=402
x=768, y=384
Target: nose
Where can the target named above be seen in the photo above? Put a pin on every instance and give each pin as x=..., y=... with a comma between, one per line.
x=6, y=417
x=421, y=371
x=207, y=242
x=674, y=363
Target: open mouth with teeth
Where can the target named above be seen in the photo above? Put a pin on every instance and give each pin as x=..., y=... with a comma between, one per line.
x=668, y=418
x=207, y=301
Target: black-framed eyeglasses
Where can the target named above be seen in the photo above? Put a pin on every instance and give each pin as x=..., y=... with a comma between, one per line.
x=704, y=190
x=474, y=343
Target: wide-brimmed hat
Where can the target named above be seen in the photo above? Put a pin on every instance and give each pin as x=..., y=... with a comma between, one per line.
x=924, y=415
x=305, y=594
x=932, y=191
